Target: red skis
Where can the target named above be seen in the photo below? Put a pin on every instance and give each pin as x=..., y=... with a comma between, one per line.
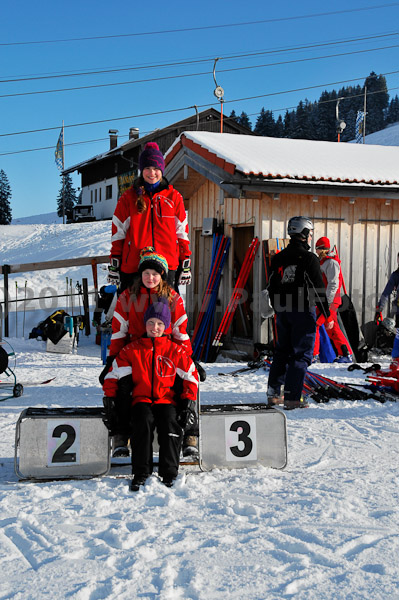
x=235, y=297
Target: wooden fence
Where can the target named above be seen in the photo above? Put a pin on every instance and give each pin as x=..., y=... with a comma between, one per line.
x=6, y=270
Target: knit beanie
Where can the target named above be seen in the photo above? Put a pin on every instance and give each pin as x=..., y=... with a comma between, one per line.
x=323, y=243
x=149, y=259
x=159, y=310
x=151, y=157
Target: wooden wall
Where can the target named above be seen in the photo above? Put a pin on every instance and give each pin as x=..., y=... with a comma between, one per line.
x=366, y=233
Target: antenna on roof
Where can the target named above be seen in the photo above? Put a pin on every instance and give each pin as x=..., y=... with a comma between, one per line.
x=219, y=93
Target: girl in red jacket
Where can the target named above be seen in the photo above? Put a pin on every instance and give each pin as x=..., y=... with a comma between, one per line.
x=150, y=213
x=128, y=325
x=332, y=276
x=152, y=364
x=150, y=285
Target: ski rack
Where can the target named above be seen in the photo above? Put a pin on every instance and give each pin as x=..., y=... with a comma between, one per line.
x=203, y=329
x=235, y=298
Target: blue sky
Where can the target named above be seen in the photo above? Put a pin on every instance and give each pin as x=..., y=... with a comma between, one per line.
x=143, y=39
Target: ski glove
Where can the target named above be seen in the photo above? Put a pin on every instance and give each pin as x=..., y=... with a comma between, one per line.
x=113, y=272
x=105, y=370
x=378, y=318
x=185, y=275
x=187, y=419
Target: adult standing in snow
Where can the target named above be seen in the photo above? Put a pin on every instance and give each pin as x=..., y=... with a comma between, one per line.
x=152, y=364
x=391, y=286
x=150, y=213
x=332, y=276
x=148, y=288
x=295, y=288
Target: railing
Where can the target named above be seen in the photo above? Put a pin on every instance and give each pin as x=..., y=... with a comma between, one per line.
x=6, y=270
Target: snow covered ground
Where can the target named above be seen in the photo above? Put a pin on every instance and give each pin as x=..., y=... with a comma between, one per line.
x=325, y=527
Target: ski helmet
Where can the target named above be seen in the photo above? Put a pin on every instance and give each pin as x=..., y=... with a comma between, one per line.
x=389, y=324
x=300, y=226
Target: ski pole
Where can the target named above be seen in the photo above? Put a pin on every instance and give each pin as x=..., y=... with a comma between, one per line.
x=16, y=309
x=71, y=292
x=23, y=326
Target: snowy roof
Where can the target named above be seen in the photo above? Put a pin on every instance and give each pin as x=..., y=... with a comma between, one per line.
x=303, y=160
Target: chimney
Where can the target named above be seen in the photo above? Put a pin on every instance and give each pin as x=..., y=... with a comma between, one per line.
x=113, y=138
x=134, y=133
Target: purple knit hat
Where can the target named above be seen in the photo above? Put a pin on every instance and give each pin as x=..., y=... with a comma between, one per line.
x=159, y=310
x=151, y=157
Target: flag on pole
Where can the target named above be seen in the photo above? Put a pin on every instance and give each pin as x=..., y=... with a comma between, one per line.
x=359, y=126
x=59, y=151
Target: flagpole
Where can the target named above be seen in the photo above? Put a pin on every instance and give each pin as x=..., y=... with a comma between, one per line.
x=364, y=110
x=63, y=177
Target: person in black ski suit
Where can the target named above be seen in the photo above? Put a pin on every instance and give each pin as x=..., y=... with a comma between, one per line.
x=296, y=287
x=391, y=286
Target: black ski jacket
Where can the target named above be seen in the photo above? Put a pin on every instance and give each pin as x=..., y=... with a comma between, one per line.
x=296, y=282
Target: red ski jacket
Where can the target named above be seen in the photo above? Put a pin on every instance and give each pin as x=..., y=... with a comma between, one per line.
x=128, y=320
x=163, y=225
x=153, y=364
x=332, y=277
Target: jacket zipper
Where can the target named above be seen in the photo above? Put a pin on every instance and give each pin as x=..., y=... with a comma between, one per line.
x=152, y=371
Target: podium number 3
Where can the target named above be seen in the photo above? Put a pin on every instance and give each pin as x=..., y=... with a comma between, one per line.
x=243, y=429
x=240, y=438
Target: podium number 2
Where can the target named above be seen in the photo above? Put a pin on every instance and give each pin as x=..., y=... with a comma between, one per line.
x=240, y=438
x=61, y=455
x=63, y=443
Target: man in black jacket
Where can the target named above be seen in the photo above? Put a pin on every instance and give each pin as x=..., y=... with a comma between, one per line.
x=295, y=288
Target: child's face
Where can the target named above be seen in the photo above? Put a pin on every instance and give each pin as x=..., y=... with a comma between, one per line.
x=150, y=278
x=155, y=327
x=152, y=175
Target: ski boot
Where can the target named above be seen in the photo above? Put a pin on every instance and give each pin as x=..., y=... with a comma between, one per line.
x=119, y=446
x=138, y=481
x=274, y=398
x=292, y=404
x=190, y=446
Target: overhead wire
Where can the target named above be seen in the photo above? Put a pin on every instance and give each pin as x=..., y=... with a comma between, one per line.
x=169, y=77
x=204, y=27
x=101, y=71
x=177, y=110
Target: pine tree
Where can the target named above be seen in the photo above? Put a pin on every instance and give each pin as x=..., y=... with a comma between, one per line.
x=69, y=196
x=265, y=124
x=244, y=120
x=377, y=102
x=5, y=195
x=233, y=116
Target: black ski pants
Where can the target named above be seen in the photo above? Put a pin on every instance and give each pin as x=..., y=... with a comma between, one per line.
x=293, y=352
x=146, y=418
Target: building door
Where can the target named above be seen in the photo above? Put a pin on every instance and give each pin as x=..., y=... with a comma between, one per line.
x=242, y=325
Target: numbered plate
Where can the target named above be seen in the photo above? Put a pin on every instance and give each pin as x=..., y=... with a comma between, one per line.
x=234, y=436
x=61, y=443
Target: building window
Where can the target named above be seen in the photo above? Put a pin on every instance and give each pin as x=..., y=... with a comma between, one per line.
x=95, y=195
x=108, y=192
x=99, y=199
x=91, y=196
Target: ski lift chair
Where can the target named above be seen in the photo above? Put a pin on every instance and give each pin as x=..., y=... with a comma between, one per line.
x=8, y=380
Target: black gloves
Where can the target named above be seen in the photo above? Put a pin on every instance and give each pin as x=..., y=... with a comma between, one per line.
x=114, y=271
x=200, y=369
x=108, y=363
x=187, y=417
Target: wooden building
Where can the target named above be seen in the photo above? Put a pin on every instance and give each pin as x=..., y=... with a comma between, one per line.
x=251, y=186
x=106, y=176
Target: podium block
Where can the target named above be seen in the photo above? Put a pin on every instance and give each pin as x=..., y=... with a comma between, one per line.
x=61, y=443
x=234, y=436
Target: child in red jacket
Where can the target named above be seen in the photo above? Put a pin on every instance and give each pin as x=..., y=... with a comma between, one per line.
x=152, y=364
x=150, y=213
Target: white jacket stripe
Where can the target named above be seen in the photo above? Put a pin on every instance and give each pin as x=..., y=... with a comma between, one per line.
x=121, y=228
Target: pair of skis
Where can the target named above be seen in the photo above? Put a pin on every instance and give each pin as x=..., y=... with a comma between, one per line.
x=235, y=298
